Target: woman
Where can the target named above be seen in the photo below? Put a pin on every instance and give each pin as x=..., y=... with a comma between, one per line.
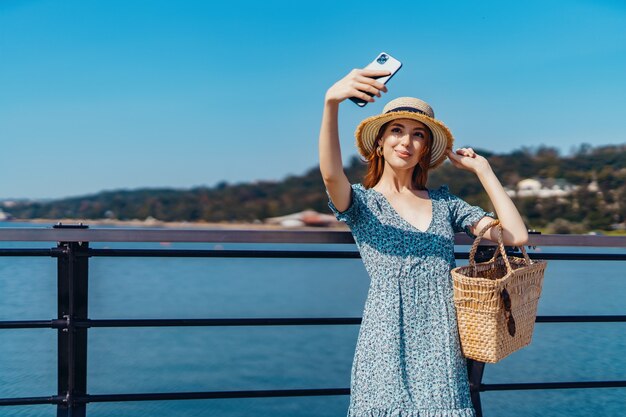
x=408, y=360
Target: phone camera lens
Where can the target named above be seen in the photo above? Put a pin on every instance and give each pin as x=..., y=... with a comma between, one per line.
x=382, y=59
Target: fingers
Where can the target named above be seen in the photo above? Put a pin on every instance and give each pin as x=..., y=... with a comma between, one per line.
x=467, y=159
x=453, y=157
x=457, y=160
x=368, y=88
x=370, y=81
x=358, y=83
x=466, y=152
x=369, y=76
x=374, y=73
x=461, y=152
x=363, y=96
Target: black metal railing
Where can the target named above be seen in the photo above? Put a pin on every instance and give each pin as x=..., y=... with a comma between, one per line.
x=72, y=253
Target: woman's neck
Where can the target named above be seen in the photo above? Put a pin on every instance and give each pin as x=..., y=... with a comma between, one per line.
x=395, y=180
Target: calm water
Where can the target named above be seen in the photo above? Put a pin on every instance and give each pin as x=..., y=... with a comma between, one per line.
x=288, y=357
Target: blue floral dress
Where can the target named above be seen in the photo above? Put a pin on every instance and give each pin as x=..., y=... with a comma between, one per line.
x=408, y=360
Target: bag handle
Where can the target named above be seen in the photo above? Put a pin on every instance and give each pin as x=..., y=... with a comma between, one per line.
x=501, y=249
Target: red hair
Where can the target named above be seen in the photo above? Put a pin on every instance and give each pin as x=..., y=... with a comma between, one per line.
x=376, y=164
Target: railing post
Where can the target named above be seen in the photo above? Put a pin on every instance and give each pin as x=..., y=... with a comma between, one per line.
x=475, y=371
x=72, y=282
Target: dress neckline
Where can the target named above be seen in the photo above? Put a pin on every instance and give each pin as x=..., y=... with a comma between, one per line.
x=402, y=219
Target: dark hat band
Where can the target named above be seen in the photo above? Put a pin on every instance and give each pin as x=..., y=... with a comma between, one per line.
x=411, y=109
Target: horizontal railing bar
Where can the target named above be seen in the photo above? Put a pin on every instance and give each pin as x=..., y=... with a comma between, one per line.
x=211, y=395
x=300, y=321
x=215, y=235
x=31, y=400
x=252, y=253
x=552, y=385
x=581, y=319
x=574, y=256
x=261, y=235
x=289, y=321
x=287, y=393
x=29, y=252
x=27, y=324
x=219, y=253
x=220, y=322
x=286, y=254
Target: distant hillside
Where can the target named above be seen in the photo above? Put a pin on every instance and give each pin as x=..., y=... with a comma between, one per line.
x=588, y=208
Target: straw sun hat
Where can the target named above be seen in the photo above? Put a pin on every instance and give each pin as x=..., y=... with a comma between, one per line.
x=405, y=108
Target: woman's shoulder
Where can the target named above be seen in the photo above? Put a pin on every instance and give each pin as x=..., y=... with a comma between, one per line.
x=358, y=188
x=366, y=196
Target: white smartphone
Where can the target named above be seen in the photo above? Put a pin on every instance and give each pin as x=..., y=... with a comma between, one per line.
x=383, y=61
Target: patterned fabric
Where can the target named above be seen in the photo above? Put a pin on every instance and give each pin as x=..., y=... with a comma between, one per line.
x=408, y=360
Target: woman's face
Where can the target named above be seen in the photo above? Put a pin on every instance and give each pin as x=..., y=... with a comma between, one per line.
x=404, y=141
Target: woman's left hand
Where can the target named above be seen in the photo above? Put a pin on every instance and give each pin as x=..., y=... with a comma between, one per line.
x=467, y=159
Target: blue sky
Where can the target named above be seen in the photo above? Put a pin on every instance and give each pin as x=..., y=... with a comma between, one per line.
x=109, y=94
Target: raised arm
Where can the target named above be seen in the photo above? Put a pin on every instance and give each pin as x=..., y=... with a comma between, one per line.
x=352, y=85
x=514, y=231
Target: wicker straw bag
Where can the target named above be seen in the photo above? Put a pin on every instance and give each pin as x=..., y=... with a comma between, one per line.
x=496, y=301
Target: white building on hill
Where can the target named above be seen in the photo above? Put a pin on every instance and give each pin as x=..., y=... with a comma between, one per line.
x=542, y=188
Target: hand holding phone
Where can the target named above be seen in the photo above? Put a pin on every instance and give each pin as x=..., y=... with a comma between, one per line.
x=384, y=62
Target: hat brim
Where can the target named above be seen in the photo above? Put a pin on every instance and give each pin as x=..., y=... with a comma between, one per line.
x=368, y=129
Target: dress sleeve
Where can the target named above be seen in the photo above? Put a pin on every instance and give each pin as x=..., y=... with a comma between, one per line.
x=464, y=215
x=353, y=213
